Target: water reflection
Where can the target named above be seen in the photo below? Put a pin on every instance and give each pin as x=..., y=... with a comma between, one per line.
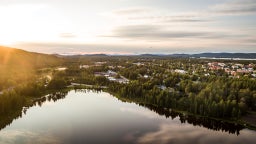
x=186, y=134
x=212, y=124
x=6, y=120
x=27, y=137
x=85, y=116
x=51, y=97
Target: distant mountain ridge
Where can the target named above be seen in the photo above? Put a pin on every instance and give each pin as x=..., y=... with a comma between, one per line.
x=210, y=55
x=37, y=56
x=200, y=55
x=227, y=55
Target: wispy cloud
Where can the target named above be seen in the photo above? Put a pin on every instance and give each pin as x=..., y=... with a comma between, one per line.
x=158, y=32
x=231, y=7
x=187, y=18
x=152, y=32
x=235, y=7
x=28, y=137
x=132, y=11
x=201, y=26
x=147, y=13
x=142, y=112
x=186, y=134
x=80, y=48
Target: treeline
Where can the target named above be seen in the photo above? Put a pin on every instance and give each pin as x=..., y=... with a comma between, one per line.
x=216, y=97
x=14, y=98
x=212, y=124
x=15, y=106
x=10, y=102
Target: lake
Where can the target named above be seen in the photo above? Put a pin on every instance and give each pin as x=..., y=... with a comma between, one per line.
x=85, y=116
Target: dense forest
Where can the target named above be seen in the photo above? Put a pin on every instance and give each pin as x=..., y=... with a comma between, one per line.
x=217, y=97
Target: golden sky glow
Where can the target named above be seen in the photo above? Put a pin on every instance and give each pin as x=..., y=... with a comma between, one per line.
x=129, y=26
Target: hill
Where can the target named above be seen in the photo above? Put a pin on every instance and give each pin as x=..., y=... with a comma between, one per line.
x=18, y=65
x=206, y=55
x=17, y=57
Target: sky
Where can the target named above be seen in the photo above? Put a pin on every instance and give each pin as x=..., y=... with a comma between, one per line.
x=129, y=26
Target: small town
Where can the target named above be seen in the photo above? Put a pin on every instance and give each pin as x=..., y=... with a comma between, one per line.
x=231, y=69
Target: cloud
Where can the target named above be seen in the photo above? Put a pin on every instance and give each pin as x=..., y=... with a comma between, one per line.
x=173, y=19
x=159, y=32
x=187, y=20
x=152, y=32
x=148, y=13
x=28, y=137
x=186, y=134
x=236, y=7
x=250, y=40
x=142, y=112
x=132, y=11
x=79, y=48
x=181, y=19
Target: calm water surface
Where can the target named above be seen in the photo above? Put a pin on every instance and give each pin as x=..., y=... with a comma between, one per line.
x=98, y=117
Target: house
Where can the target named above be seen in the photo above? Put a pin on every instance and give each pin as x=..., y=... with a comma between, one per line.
x=111, y=73
x=122, y=80
x=61, y=68
x=111, y=78
x=84, y=66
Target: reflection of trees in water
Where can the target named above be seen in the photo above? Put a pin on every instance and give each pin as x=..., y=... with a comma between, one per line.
x=55, y=96
x=212, y=124
x=51, y=97
x=8, y=119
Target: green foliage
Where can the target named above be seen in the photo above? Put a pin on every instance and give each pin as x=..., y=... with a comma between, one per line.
x=219, y=97
x=57, y=83
x=11, y=101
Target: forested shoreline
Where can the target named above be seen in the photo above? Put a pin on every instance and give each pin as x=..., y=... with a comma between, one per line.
x=219, y=98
